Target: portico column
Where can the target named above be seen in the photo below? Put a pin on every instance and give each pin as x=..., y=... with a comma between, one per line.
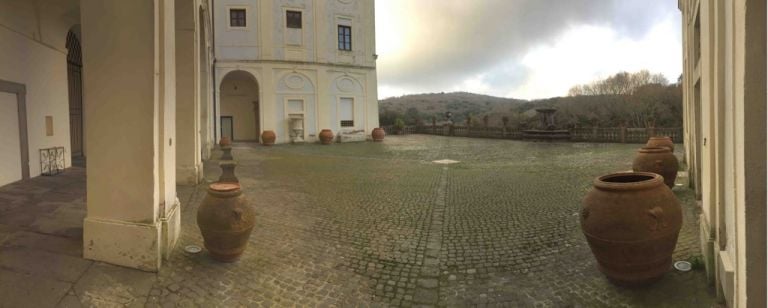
x=129, y=85
x=188, y=162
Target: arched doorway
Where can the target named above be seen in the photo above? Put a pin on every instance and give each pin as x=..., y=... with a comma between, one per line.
x=75, y=82
x=240, y=118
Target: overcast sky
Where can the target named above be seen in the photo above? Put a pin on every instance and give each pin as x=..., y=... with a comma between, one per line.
x=521, y=48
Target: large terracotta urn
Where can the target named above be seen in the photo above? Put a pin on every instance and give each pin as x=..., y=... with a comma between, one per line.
x=661, y=141
x=631, y=221
x=226, y=220
x=326, y=136
x=378, y=134
x=657, y=160
x=268, y=137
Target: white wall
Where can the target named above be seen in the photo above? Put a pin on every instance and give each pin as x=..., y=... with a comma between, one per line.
x=10, y=152
x=33, y=53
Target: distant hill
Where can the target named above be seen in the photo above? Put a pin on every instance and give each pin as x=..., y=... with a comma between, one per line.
x=659, y=104
x=461, y=104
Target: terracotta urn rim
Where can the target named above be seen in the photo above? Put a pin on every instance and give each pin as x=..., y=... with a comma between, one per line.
x=661, y=138
x=628, y=181
x=224, y=189
x=654, y=149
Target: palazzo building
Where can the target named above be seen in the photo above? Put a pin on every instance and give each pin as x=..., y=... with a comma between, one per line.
x=138, y=90
x=295, y=67
x=724, y=100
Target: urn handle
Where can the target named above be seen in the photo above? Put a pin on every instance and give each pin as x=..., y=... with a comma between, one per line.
x=237, y=213
x=657, y=215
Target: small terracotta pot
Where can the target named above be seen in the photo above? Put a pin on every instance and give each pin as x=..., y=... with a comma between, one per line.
x=657, y=160
x=225, y=142
x=631, y=221
x=326, y=136
x=378, y=134
x=268, y=137
x=661, y=141
x=226, y=220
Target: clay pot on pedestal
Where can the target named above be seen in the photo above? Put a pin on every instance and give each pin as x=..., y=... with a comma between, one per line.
x=631, y=221
x=225, y=142
x=326, y=136
x=226, y=220
x=228, y=172
x=657, y=160
x=378, y=134
x=661, y=141
x=268, y=137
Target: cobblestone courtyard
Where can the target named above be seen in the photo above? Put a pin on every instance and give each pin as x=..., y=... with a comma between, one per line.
x=369, y=223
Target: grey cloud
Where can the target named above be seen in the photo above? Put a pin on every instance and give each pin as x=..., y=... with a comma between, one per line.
x=465, y=38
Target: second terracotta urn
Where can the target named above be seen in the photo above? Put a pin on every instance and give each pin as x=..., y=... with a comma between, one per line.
x=268, y=137
x=657, y=160
x=378, y=134
x=226, y=220
x=661, y=141
x=326, y=136
x=631, y=222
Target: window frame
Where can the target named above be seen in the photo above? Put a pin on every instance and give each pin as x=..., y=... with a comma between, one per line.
x=288, y=19
x=230, y=19
x=344, y=39
x=339, y=100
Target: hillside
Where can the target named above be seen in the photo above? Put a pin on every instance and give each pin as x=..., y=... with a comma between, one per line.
x=461, y=104
x=661, y=104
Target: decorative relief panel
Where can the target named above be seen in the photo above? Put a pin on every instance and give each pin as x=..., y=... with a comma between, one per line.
x=347, y=84
x=294, y=81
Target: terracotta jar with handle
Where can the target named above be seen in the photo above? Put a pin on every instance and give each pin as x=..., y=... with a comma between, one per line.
x=657, y=160
x=268, y=137
x=378, y=134
x=661, y=141
x=226, y=220
x=326, y=136
x=631, y=222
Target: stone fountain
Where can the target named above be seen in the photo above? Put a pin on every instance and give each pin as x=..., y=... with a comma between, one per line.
x=547, y=129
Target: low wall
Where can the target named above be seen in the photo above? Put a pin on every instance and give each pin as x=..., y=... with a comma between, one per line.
x=593, y=134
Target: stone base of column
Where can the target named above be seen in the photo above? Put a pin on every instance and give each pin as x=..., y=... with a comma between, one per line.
x=135, y=245
x=189, y=174
x=171, y=229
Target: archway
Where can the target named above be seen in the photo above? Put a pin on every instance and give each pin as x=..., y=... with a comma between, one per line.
x=75, y=86
x=239, y=118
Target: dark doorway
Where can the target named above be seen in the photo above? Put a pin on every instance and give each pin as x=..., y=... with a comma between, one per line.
x=75, y=80
x=226, y=127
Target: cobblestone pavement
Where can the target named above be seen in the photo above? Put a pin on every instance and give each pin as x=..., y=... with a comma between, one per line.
x=380, y=224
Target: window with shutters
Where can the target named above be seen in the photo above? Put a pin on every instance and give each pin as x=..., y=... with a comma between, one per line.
x=346, y=112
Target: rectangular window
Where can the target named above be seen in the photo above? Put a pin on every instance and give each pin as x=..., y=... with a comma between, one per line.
x=237, y=18
x=347, y=111
x=345, y=38
x=293, y=19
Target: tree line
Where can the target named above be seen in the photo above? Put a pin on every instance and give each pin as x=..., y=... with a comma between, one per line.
x=639, y=99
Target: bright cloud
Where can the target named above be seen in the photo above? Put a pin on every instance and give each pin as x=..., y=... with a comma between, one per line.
x=520, y=48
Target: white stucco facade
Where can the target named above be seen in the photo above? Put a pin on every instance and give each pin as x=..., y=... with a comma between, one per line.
x=724, y=100
x=33, y=54
x=299, y=71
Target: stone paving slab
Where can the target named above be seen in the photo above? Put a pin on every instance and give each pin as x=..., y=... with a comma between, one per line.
x=25, y=290
x=375, y=224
